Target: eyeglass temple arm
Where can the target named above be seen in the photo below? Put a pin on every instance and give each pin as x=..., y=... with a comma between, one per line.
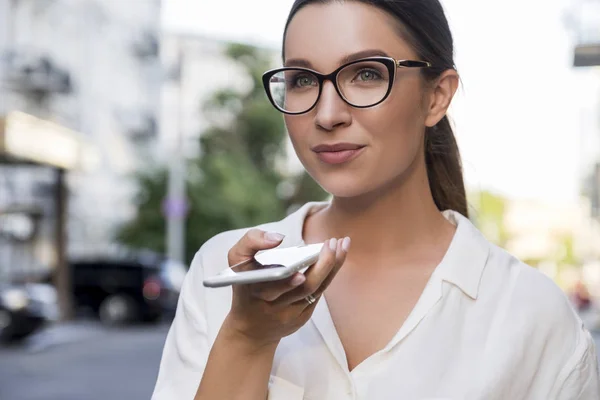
x=412, y=64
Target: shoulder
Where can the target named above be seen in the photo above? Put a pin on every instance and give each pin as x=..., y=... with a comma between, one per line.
x=531, y=304
x=527, y=290
x=532, y=319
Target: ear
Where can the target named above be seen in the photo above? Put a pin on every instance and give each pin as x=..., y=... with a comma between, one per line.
x=441, y=96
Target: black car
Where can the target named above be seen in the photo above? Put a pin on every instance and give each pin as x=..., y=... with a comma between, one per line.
x=127, y=289
x=25, y=308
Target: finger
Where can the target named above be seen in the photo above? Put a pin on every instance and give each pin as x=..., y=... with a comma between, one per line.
x=324, y=263
x=330, y=261
x=271, y=291
x=341, y=252
x=253, y=241
x=305, y=290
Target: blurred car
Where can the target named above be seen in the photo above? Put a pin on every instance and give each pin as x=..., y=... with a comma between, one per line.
x=586, y=305
x=128, y=289
x=591, y=318
x=25, y=308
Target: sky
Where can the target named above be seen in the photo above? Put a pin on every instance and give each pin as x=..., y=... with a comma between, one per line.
x=526, y=122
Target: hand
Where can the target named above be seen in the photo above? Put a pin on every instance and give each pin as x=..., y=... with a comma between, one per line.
x=265, y=312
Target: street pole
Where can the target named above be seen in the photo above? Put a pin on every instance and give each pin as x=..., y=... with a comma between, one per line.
x=176, y=204
x=62, y=276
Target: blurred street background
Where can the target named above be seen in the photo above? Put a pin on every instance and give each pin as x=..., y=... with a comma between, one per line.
x=92, y=363
x=133, y=131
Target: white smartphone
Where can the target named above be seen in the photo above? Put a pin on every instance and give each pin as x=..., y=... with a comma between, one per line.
x=269, y=265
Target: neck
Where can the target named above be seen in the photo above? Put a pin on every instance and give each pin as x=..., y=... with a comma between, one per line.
x=395, y=221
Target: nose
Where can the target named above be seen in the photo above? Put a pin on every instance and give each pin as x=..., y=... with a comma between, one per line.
x=332, y=111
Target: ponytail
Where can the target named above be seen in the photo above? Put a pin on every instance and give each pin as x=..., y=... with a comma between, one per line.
x=444, y=168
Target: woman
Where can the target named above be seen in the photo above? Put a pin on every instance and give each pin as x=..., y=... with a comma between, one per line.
x=422, y=306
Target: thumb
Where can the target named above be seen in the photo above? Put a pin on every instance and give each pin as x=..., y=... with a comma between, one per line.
x=252, y=242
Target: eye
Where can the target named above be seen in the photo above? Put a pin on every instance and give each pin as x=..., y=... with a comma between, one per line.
x=304, y=81
x=366, y=75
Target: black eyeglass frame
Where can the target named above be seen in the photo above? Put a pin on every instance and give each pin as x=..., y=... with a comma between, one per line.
x=391, y=64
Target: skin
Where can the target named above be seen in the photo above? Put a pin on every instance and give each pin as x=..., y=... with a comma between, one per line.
x=381, y=199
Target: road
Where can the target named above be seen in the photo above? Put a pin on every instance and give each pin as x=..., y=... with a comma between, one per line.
x=597, y=339
x=92, y=363
x=95, y=364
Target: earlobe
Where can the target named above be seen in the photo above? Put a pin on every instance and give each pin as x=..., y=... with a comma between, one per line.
x=441, y=96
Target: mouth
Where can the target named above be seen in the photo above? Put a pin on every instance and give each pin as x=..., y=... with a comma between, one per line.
x=337, y=153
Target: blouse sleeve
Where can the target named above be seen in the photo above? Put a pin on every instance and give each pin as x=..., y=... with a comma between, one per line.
x=187, y=345
x=579, y=378
x=188, y=342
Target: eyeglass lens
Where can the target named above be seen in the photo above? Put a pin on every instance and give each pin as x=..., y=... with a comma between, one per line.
x=361, y=84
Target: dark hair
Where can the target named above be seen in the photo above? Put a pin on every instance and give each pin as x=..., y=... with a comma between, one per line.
x=423, y=24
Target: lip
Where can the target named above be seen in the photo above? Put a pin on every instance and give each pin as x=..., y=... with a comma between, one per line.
x=336, y=147
x=337, y=153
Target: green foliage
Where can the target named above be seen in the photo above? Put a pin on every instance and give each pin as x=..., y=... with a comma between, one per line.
x=235, y=181
x=567, y=254
x=141, y=233
x=489, y=215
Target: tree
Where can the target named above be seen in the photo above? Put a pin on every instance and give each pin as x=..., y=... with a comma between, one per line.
x=236, y=181
x=490, y=211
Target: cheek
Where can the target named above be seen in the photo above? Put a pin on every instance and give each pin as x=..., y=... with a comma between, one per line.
x=396, y=128
x=299, y=128
x=393, y=131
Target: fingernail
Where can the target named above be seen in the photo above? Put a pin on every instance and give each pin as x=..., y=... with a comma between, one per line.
x=346, y=244
x=274, y=237
x=333, y=244
x=298, y=280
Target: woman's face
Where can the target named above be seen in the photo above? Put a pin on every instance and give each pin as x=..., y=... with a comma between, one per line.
x=390, y=135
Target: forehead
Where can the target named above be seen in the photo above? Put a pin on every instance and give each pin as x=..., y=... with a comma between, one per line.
x=325, y=34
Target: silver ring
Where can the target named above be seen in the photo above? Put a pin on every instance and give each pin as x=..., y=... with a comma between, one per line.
x=310, y=299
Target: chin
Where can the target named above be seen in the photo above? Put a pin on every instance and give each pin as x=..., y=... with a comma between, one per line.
x=344, y=184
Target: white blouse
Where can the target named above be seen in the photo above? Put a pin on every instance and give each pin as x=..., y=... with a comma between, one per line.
x=485, y=327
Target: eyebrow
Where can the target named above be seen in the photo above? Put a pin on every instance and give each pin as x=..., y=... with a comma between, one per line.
x=301, y=62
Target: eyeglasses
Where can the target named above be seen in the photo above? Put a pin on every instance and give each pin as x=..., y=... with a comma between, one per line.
x=362, y=83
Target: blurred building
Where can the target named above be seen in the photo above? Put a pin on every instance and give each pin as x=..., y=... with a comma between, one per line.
x=91, y=66
x=583, y=19
x=551, y=231
x=196, y=67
